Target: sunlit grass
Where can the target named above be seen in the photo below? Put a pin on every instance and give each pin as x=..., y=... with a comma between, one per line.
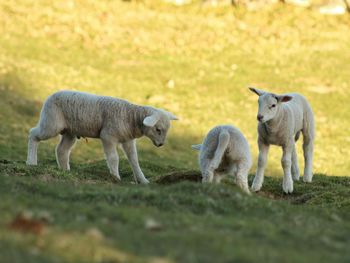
x=197, y=62
x=94, y=220
x=211, y=55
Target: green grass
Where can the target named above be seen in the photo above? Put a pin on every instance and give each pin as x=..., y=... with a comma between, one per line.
x=199, y=223
x=131, y=50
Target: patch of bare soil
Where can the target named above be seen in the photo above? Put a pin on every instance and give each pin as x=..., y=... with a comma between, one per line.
x=176, y=177
x=293, y=199
x=301, y=199
x=270, y=195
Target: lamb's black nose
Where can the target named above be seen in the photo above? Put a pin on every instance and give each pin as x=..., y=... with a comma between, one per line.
x=161, y=144
x=260, y=117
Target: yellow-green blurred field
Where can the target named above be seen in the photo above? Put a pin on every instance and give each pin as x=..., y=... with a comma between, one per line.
x=197, y=62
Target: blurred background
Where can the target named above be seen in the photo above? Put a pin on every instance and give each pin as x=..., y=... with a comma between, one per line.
x=193, y=58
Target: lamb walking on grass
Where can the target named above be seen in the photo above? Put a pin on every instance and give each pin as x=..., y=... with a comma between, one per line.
x=225, y=151
x=281, y=120
x=76, y=114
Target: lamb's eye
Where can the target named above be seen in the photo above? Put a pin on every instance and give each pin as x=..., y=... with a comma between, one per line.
x=273, y=105
x=159, y=131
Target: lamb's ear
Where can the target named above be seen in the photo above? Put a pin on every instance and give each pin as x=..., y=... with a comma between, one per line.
x=257, y=91
x=171, y=116
x=197, y=147
x=283, y=98
x=150, y=121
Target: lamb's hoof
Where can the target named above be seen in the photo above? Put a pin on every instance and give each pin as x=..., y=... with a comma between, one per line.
x=213, y=166
x=246, y=191
x=287, y=186
x=307, y=179
x=31, y=163
x=145, y=181
x=205, y=180
x=296, y=177
x=217, y=179
x=67, y=169
x=116, y=178
x=256, y=186
x=208, y=177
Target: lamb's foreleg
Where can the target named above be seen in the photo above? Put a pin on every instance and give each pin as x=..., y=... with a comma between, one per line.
x=131, y=153
x=109, y=147
x=287, y=165
x=262, y=160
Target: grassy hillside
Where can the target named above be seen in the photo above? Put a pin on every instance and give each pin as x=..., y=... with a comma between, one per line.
x=196, y=62
x=132, y=50
x=90, y=219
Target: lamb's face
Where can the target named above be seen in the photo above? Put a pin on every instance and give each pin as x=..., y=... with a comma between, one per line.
x=158, y=132
x=268, y=107
x=269, y=104
x=156, y=126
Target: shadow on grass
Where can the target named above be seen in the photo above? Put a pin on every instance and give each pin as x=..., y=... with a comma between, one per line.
x=324, y=190
x=161, y=166
x=12, y=97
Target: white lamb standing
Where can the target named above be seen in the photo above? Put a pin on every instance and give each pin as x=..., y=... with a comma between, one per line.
x=281, y=120
x=115, y=121
x=225, y=151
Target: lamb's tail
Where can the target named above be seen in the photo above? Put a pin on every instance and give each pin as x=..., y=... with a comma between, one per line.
x=197, y=147
x=224, y=138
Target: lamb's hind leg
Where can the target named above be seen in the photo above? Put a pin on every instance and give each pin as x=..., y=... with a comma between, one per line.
x=308, y=144
x=242, y=177
x=33, y=143
x=51, y=123
x=308, y=148
x=63, y=151
x=36, y=135
x=217, y=177
x=112, y=157
x=295, y=167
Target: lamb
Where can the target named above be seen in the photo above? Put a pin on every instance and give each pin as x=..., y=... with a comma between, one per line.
x=225, y=151
x=281, y=120
x=115, y=121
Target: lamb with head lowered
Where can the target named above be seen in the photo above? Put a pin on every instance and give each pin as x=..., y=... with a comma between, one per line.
x=225, y=151
x=115, y=121
x=281, y=120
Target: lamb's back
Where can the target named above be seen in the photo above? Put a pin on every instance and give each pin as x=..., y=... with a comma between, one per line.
x=84, y=113
x=237, y=147
x=300, y=108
